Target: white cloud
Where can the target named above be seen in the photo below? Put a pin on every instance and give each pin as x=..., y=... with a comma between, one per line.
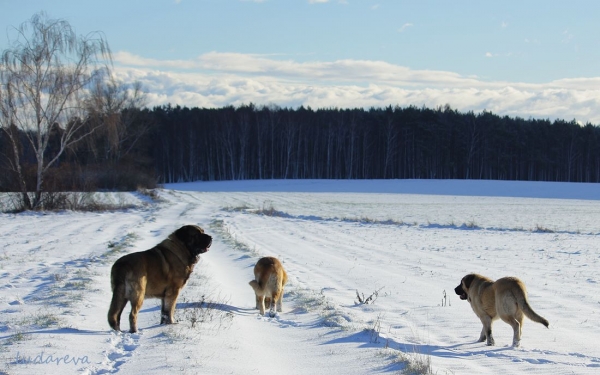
x=317, y=1
x=504, y=25
x=218, y=79
x=404, y=27
x=567, y=36
x=348, y=71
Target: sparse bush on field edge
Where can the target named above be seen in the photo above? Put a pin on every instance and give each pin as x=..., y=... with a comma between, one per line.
x=57, y=201
x=269, y=210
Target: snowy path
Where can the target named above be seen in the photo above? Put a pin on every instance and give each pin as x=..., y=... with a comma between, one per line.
x=291, y=343
x=294, y=342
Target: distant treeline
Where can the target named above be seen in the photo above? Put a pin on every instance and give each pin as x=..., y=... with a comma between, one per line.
x=251, y=142
x=176, y=144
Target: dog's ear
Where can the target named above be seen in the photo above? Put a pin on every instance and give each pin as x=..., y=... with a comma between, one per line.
x=188, y=234
x=194, y=238
x=468, y=280
x=185, y=233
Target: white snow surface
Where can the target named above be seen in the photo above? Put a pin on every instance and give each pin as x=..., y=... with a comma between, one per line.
x=406, y=243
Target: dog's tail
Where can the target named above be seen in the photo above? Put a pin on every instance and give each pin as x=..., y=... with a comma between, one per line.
x=258, y=289
x=118, y=302
x=523, y=303
x=285, y=277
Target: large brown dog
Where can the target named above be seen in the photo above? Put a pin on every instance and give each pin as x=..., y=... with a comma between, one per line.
x=505, y=298
x=268, y=283
x=160, y=272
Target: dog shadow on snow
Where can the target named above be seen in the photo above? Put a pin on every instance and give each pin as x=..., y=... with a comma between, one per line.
x=181, y=306
x=461, y=350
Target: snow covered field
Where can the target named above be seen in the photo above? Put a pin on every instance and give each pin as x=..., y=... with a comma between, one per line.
x=408, y=241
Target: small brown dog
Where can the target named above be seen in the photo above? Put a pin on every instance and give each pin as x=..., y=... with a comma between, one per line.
x=505, y=298
x=160, y=272
x=268, y=283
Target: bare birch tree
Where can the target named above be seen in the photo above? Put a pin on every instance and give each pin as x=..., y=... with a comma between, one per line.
x=45, y=76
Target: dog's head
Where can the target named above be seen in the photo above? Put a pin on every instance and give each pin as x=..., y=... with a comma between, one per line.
x=463, y=288
x=194, y=239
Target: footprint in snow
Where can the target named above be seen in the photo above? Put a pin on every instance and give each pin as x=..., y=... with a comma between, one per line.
x=121, y=347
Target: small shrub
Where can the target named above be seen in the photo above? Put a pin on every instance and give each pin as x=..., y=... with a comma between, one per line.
x=375, y=330
x=541, y=229
x=17, y=337
x=241, y=208
x=46, y=320
x=418, y=364
x=40, y=319
x=12, y=203
x=412, y=364
x=445, y=301
x=471, y=225
x=361, y=300
x=268, y=209
x=205, y=311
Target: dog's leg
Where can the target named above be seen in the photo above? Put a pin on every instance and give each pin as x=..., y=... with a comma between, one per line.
x=272, y=304
x=516, y=326
x=275, y=301
x=136, y=305
x=487, y=330
x=280, y=302
x=262, y=305
x=163, y=312
x=169, y=302
x=482, y=335
x=490, y=338
x=520, y=319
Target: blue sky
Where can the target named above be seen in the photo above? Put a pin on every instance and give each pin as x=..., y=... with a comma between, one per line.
x=523, y=58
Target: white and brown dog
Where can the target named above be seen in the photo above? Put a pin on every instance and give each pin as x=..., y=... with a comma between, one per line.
x=505, y=298
x=268, y=283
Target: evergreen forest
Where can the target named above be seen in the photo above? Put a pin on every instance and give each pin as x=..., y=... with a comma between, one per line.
x=143, y=147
